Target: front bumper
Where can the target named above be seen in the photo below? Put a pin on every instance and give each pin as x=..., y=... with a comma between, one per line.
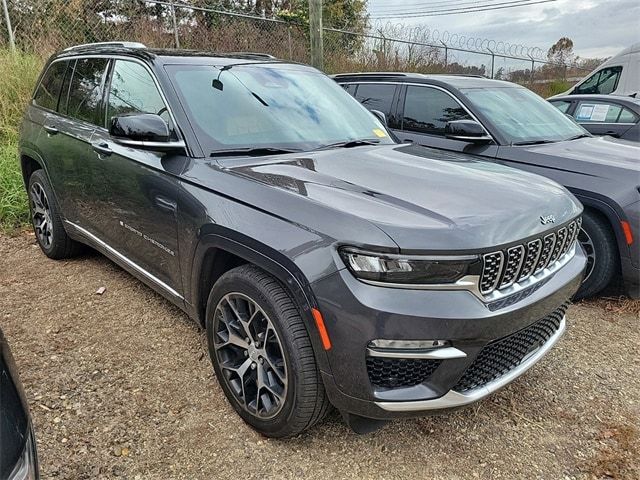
x=356, y=314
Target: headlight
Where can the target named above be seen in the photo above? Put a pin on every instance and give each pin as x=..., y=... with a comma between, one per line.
x=405, y=269
x=27, y=466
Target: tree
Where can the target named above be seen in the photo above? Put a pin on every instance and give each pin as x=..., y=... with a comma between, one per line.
x=561, y=52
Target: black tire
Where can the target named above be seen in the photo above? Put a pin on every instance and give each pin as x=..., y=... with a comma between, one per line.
x=304, y=400
x=46, y=221
x=599, y=243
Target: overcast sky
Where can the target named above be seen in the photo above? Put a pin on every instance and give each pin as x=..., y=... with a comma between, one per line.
x=598, y=28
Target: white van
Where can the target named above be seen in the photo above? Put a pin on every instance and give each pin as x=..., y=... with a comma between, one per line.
x=620, y=75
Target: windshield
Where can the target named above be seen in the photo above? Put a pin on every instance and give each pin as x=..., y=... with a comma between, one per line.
x=277, y=106
x=522, y=116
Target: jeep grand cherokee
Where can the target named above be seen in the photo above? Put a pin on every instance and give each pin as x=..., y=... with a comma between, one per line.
x=329, y=265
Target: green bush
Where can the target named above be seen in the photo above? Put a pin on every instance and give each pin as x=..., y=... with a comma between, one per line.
x=18, y=74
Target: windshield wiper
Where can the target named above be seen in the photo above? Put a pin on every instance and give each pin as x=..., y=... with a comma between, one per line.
x=534, y=142
x=350, y=143
x=582, y=135
x=251, y=152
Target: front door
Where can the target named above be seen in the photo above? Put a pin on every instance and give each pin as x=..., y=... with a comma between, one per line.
x=424, y=112
x=138, y=206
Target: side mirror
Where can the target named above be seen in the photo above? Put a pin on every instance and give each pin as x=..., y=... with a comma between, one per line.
x=143, y=130
x=466, y=131
x=380, y=116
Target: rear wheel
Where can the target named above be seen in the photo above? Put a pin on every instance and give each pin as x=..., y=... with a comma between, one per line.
x=599, y=244
x=46, y=220
x=262, y=354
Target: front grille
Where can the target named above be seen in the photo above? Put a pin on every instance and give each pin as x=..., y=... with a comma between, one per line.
x=399, y=372
x=502, y=269
x=502, y=356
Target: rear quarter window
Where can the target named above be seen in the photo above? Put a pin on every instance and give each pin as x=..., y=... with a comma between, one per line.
x=48, y=91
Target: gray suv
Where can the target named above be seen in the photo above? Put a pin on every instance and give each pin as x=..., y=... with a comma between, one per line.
x=328, y=264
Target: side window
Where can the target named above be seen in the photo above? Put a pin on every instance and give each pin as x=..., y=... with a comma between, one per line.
x=427, y=110
x=627, y=116
x=603, y=81
x=85, y=91
x=562, y=105
x=350, y=88
x=376, y=96
x=133, y=90
x=595, y=112
x=47, y=94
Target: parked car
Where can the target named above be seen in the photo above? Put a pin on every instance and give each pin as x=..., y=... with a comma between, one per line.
x=18, y=457
x=506, y=123
x=620, y=75
x=603, y=114
x=329, y=264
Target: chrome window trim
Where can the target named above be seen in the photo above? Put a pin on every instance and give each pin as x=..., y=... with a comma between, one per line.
x=456, y=399
x=124, y=259
x=113, y=57
x=426, y=85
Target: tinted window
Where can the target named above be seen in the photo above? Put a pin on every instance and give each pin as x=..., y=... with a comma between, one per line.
x=133, y=90
x=85, y=91
x=376, y=97
x=603, y=81
x=349, y=87
x=48, y=92
x=427, y=110
x=562, y=105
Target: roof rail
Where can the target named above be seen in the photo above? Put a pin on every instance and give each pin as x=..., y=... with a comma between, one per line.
x=107, y=44
x=370, y=74
x=251, y=54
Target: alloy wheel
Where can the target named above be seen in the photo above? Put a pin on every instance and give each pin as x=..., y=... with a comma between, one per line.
x=587, y=243
x=250, y=355
x=41, y=215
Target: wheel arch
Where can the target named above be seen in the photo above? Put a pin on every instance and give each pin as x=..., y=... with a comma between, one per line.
x=28, y=165
x=218, y=252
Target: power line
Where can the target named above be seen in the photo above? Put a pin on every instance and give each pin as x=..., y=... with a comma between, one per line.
x=435, y=5
x=434, y=13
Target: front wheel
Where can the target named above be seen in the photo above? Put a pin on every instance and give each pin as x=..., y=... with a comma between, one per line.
x=262, y=354
x=599, y=244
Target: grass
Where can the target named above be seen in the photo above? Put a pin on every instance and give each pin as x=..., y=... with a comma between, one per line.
x=18, y=74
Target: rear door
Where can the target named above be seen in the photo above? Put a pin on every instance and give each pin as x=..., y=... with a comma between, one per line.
x=604, y=118
x=139, y=204
x=424, y=112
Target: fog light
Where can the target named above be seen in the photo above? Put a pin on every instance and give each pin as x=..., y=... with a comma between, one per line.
x=426, y=349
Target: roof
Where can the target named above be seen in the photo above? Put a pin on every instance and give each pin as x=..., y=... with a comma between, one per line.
x=603, y=98
x=141, y=51
x=457, y=81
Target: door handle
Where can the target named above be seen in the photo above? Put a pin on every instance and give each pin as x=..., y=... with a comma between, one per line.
x=166, y=204
x=102, y=148
x=50, y=129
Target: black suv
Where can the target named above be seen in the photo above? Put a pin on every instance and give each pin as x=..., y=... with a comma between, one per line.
x=329, y=264
x=509, y=124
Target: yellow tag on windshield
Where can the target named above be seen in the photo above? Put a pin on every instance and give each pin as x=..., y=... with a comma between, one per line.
x=379, y=133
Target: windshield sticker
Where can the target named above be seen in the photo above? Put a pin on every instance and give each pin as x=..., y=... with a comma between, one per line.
x=379, y=133
x=593, y=112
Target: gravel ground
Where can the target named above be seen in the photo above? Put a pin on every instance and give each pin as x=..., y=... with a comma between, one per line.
x=120, y=385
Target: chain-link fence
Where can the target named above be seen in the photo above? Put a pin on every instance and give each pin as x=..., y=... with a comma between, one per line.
x=44, y=26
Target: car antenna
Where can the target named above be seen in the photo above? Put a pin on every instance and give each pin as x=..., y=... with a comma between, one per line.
x=217, y=83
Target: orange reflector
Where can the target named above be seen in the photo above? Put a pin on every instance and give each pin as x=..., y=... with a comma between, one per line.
x=322, y=330
x=626, y=228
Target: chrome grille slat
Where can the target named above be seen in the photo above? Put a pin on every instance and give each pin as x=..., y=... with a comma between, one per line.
x=515, y=257
x=503, y=268
x=534, y=247
x=491, y=271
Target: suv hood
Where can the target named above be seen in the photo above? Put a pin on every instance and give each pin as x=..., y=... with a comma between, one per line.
x=424, y=199
x=588, y=155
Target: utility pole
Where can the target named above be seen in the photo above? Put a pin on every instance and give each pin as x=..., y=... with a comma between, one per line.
x=12, y=43
x=315, y=33
x=175, y=24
